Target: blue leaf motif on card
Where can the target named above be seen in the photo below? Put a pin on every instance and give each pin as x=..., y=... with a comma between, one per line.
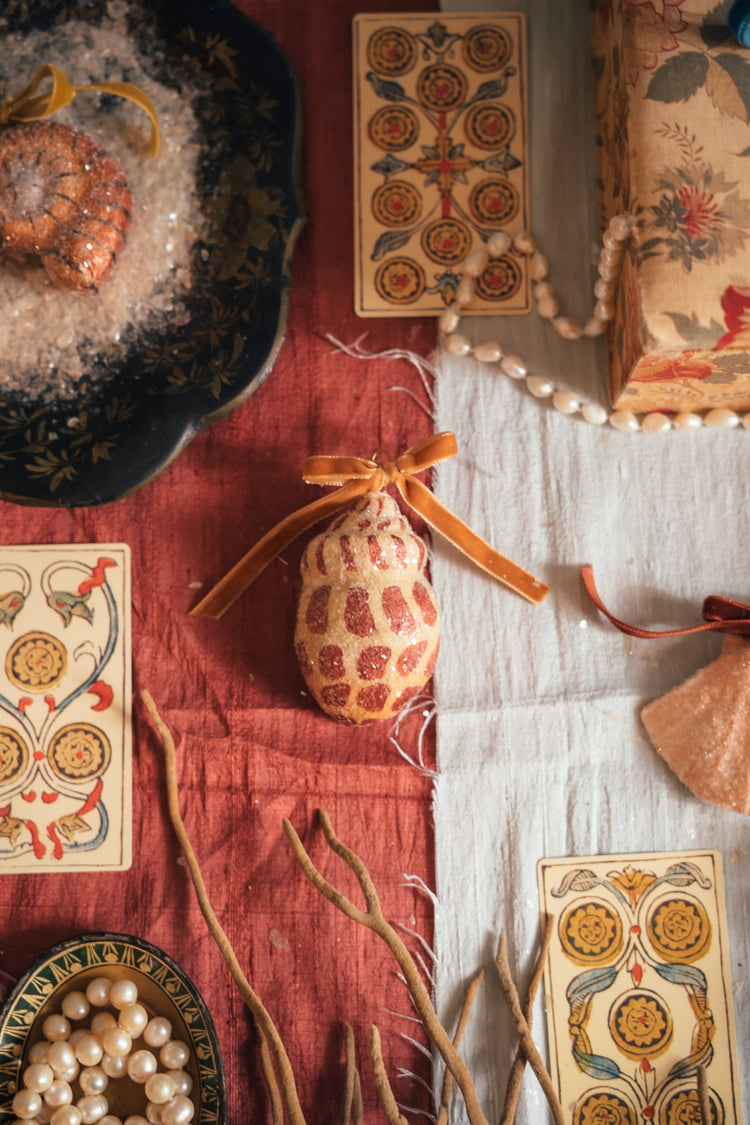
x=686, y=975
x=386, y=87
x=586, y=984
x=596, y=1066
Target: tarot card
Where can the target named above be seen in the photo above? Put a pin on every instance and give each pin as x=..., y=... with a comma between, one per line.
x=638, y=987
x=440, y=159
x=65, y=708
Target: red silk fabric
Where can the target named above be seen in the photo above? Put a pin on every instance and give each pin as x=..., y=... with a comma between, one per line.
x=252, y=747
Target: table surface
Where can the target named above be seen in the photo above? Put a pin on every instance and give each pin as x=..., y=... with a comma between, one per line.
x=536, y=741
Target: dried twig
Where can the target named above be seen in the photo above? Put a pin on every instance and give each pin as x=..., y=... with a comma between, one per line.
x=269, y=1076
x=704, y=1101
x=445, y=1093
x=527, y=1043
x=382, y=1085
x=350, y=1071
x=286, y=1089
x=373, y=920
x=516, y=1074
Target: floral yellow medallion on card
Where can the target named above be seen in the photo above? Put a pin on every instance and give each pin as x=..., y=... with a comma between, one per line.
x=65, y=702
x=638, y=988
x=440, y=159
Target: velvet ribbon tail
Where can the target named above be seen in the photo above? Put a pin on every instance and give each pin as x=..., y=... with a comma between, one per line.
x=30, y=106
x=720, y=615
x=356, y=477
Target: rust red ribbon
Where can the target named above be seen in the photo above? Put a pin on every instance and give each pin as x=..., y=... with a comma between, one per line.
x=720, y=615
x=357, y=477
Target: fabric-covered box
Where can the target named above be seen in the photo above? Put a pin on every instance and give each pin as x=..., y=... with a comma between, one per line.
x=672, y=109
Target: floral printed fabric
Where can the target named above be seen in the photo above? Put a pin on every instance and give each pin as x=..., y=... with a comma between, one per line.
x=672, y=108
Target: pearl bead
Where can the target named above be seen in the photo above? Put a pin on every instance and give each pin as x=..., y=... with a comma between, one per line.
x=75, y=1006
x=655, y=423
x=538, y=266
x=611, y=257
x=153, y=1113
x=116, y=1041
x=97, y=991
x=498, y=244
x=524, y=243
x=539, y=386
x=38, y=1077
x=542, y=290
x=70, y=1073
x=449, y=319
x=122, y=993
x=26, y=1104
x=109, y=1119
x=56, y=1027
x=458, y=344
x=604, y=310
x=604, y=289
x=133, y=1018
x=594, y=413
x=77, y=1035
x=623, y=420
x=66, y=1115
x=514, y=367
x=61, y=1056
x=686, y=420
x=465, y=291
x=178, y=1111
x=59, y=1093
x=158, y=1031
x=92, y=1107
x=721, y=418
x=476, y=263
x=115, y=1066
x=136, y=1119
x=620, y=227
x=548, y=308
x=160, y=1088
x=608, y=242
x=489, y=352
x=101, y=1022
x=183, y=1083
x=174, y=1055
x=142, y=1065
x=607, y=271
x=39, y=1052
x=93, y=1080
x=567, y=327
x=566, y=402
x=594, y=327
x=89, y=1051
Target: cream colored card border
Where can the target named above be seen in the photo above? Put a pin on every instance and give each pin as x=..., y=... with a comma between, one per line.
x=428, y=286
x=579, y=881
x=37, y=795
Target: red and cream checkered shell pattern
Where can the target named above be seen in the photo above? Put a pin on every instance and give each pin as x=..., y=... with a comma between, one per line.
x=368, y=625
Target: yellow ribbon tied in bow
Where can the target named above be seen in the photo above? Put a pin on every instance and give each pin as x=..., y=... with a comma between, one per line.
x=356, y=477
x=30, y=106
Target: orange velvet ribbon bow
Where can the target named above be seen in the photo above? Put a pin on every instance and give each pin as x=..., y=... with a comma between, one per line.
x=720, y=615
x=357, y=477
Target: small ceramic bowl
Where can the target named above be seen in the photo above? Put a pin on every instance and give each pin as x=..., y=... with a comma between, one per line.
x=163, y=989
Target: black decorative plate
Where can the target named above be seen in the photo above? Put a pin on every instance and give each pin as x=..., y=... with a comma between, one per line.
x=124, y=426
x=163, y=989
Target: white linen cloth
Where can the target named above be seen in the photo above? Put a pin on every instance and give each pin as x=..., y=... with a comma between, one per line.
x=540, y=749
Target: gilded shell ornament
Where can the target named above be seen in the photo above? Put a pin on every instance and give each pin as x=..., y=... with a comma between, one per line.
x=368, y=624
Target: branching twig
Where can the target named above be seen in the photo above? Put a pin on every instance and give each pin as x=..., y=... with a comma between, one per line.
x=286, y=1088
x=373, y=919
x=516, y=1074
x=382, y=1085
x=350, y=1075
x=527, y=1043
x=445, y=1093
x=704, y=1101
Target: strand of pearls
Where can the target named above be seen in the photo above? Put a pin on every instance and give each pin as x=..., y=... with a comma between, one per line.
x=69, y=1070
x=568, y=328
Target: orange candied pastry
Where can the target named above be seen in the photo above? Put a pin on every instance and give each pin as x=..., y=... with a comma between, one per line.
x=64, y=200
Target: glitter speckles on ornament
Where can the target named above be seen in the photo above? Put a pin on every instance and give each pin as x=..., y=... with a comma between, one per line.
x=368, y=626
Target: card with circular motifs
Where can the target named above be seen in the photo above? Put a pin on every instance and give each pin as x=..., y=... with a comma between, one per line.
x=440, y=160
x=638, y=988
x=65, y=708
